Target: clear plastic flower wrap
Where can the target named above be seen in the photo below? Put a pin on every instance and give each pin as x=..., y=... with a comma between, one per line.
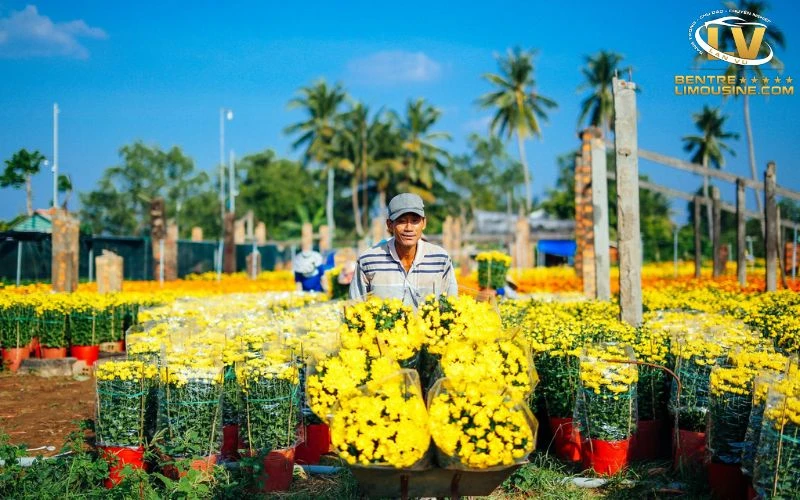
x=752, y=436
x=605, y=406
x=122, y=389
x=271, y=403
x=778, y=457
x=384, y=424
x=479, y=426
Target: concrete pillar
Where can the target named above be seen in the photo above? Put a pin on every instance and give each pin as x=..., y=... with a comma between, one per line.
x=306, y=237
x=239, y=231
x=628, y=229
x=158, y=232
x=602, y=258
x=253, y=269
x=771, y=227
x=324, y=239
x=698, y=248
x=716, y=244
x=457, y=243
x=197, y=233
x=261, y=233
x=229, y=253
x=109, y=268
x=447, y=234
x=65, y=251
x=171, y=253
x=741, y=263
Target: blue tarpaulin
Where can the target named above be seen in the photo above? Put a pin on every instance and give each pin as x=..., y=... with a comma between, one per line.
x=562, y=248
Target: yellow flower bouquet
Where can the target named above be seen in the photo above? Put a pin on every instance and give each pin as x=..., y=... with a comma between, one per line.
x=384, y=424
x=778, y=456
x=122, y=390
x=492, y=269
x=478, y=426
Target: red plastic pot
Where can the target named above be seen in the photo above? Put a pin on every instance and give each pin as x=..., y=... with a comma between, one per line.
x=54, y=352
x=230, y=442
x=751, y=492
x=13, y=356
x=605, y=457
x=566, y=439
x=726, y=481
x=118, y=457
x=204, y=465
x=689, y=448
x=278, y=468
x=85, y=353
x=646, y=444
x=36, y=347
x=317, y=443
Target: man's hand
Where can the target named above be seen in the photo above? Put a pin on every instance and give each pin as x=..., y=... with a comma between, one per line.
x=486, y=295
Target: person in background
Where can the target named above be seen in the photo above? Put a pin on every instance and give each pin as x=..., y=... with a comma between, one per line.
x=404, y=266
x=307, y=266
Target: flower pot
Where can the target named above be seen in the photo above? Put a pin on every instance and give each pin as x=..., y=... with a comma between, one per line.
x=647, y=443
x=118, y=457
x=121, y=345
x=278, y=468
x=726, y=481
x=751, y=493
x=316, y=444
x=605, y=457
x=86, y=353
x=13, y=356
x=203, y=464
x=230, y=442
x=54, y=352
x=566, y=440
x=689, y=448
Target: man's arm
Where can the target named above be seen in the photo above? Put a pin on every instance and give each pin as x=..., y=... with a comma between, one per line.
x=359, y=286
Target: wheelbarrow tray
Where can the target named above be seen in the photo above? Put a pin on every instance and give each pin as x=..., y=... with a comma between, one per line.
x=377, y=482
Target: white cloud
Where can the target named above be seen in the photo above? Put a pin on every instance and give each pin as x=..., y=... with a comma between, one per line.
x=479, y=125
x=27, y=33
x=394, y=66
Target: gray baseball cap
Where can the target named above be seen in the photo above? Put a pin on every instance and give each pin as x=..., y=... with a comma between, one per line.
x=405, y=203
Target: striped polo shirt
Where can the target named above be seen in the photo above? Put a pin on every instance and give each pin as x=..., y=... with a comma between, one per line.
x=380, y=272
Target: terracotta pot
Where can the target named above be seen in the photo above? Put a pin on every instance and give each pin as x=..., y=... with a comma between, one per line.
x=726, y=481
x=317, y=443
x=566, y=439
x=13, y=356
x=54, y=352
x=278, y=469
x=648, y=442
x=86, y=353
x=689, y=448
x=118, y=457
x=605, y=457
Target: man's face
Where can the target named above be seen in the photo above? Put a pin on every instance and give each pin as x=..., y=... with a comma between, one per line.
x=407, y=229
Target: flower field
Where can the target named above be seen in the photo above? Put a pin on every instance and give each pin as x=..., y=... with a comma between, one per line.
x=249, y=372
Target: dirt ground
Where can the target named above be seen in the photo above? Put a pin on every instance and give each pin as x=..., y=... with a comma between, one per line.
x=38, y=411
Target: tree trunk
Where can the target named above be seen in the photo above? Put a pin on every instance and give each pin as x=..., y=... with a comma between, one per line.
x=752, y=155
x=526, y=174
x=28, y=195
x=329, y=205
x=354, y=198
x=708, y=205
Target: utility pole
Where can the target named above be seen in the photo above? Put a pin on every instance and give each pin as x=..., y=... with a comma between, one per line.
x=55, y=155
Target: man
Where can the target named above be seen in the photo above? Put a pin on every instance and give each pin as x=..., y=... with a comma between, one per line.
x=404, y=266
x=307, y=270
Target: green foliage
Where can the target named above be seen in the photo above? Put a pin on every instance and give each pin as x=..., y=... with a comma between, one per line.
x=597, y=109
x=18, y=172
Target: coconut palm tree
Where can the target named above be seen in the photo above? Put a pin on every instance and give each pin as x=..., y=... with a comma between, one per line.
x=772, y=37
x=422, y=157
x=597, y=109
x=64, y=185
x=321, y=104
x=518, y=107
x=708, y=147
x=20, y=168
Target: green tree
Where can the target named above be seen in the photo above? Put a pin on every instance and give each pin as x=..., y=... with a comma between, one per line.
x=65, y=186
x=772, y=37
x=321, y=104
x=597, y=109
x=518, y=107
x=422, y=158
x=277, y=190
x=18, y=172
x=708, y=147
x=560, y=202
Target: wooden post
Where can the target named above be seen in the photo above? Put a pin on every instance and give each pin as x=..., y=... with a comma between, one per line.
x=579, y=228
x=628, y=229
x=522, y=244
x=261, y=233
x=229, y=253
x=171, y=252
x=741, y=262
x=197, y=233
x=307, y=237
x=378, y=230
x=239, y=231
x=109, y=272
x=716, y=244
x=602, y=259
x=447, y=234
x=771, y=228
x=65, y=243
x=698, y=248
x=324, y=239
x=158, y=232
x=457, y=244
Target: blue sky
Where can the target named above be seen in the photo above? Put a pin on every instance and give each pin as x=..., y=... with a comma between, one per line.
x=160, y=71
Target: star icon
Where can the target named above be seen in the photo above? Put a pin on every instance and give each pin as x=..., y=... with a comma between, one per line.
x=777, y=79
x=789, y=80
x=765, y=80
x=742, y=80
x=754, y=80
